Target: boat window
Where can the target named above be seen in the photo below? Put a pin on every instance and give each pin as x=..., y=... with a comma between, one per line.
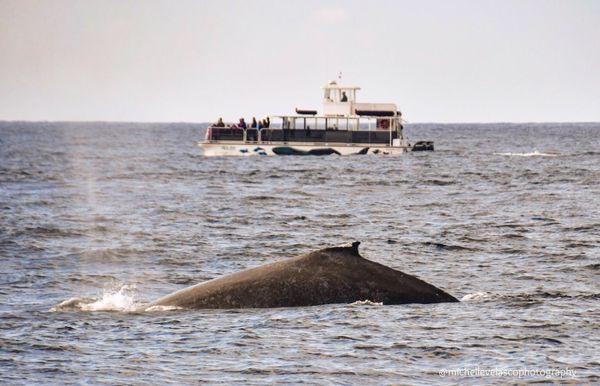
x=352, y=124
x=333, y=95
x=321, y=123
x=348, y=93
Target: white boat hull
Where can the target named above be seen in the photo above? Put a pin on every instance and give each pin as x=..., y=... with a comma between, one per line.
x=219, y=149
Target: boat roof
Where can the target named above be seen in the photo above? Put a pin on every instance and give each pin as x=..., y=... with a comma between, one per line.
x=336, y=116
x=333, y=85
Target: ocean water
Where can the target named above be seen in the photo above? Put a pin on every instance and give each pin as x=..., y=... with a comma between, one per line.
x=97, y=220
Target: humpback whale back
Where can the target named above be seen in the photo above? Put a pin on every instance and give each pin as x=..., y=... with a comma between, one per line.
x=330, y=275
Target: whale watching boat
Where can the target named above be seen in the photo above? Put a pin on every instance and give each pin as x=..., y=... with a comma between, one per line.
x=345, y=127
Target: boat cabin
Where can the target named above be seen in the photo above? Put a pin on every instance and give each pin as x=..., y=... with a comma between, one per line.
x=339, y=100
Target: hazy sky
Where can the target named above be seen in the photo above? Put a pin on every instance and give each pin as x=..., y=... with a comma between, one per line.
x=441, y=61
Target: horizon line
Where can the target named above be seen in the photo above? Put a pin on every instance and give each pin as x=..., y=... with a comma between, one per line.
x=205, y=122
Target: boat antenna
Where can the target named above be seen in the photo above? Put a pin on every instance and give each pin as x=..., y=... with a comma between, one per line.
x=339, y=75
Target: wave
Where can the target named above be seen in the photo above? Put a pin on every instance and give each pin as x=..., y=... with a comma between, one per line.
x=530, y=154
x=447, y=247
x=522, y=298
x=439, y=182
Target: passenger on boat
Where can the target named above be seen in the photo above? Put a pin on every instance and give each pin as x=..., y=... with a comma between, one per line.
x=267, y=122
x=219, y=123
x=242, y=124
x=344, y=97
x=382, y=124
x=254, y=125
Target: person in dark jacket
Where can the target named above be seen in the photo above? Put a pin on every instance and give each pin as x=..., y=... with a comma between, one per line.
x=254, y=125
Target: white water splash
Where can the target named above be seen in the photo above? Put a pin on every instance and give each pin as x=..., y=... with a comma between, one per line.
x=162, y=308
x=530, y=154
x=365, y=303
x=121, y=299
x=477, y=296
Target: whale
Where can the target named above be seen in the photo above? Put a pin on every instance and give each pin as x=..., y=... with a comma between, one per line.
x=327, y=276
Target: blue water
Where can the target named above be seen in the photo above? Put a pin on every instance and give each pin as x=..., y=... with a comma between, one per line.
x=97, y=220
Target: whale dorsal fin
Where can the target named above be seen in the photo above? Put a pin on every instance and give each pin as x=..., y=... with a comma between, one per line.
x=348, y=247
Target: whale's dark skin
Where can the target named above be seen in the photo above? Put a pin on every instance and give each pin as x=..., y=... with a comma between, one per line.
x=330, y=275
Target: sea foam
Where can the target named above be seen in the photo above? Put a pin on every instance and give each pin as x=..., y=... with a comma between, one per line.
x=530, y=154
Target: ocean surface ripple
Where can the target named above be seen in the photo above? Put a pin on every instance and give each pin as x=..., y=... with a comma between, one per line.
x=99, y=219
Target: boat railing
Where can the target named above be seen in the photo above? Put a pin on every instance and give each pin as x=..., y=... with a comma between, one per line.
x=267, y=135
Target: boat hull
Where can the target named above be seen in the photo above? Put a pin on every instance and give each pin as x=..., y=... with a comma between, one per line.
x=220, y=149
